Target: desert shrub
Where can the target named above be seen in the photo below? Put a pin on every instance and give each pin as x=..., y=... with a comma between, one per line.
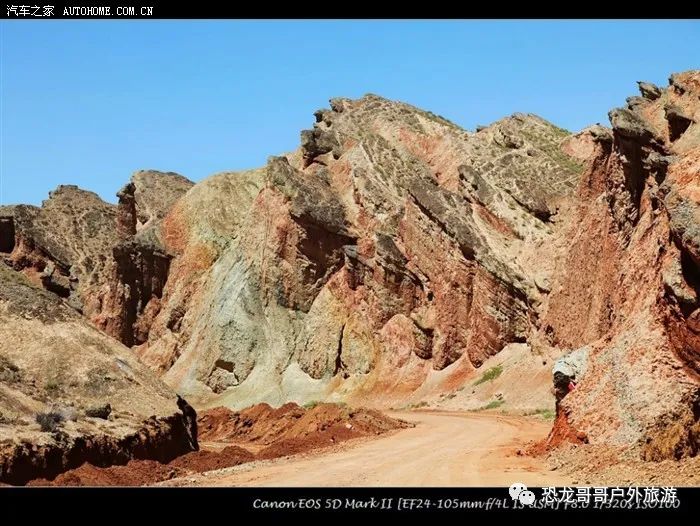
x=99, y=411
x=50, y=421
x=547, y=414
x=490, y=375
x=9, y=372
x=494, y=404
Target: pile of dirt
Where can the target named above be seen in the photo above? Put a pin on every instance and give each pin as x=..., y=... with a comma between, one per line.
x=263, y=425
x=562, y=433
x=272, y=432
x=328, y=424
x=135, y=473
x=259, y=423
x=144, y=472
x=206, y=460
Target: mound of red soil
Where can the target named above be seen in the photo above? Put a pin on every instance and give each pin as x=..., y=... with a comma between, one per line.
x=259, y=423
x=144, y=472
x=135, y=473
x=278, y=431
x=328, y=424
x=293, y=426
x=562, y=433
x=199, y=461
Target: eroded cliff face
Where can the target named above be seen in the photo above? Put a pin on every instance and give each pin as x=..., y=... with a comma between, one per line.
x=390, y=246
x=62, y=246
x=140, y=262
x=71, y=394
x=394, y=257
x=106, y=261
x=624, y=292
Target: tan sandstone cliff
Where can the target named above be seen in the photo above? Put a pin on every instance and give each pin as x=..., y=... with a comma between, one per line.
x=394, y=257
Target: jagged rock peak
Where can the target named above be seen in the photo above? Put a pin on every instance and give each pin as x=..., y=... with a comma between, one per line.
x=155, y=192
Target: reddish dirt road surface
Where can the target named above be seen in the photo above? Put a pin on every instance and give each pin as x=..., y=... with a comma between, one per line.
x=444, y=449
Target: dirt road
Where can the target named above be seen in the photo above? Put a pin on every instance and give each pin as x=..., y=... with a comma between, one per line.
x=444, y=449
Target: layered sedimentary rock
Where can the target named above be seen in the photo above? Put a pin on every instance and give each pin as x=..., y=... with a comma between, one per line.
x=393, y=254
x=624, y=292
x=63, y=246
x=391, y=244
x=107, y=261
x=140, y=261
x=70, y=394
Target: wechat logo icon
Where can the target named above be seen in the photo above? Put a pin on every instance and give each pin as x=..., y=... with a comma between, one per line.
x=518, y=491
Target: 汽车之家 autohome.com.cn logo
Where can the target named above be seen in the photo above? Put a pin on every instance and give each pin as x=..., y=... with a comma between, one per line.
x=24, y=11
x=36, y=11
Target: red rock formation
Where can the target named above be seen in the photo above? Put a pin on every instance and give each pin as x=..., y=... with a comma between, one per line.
x=70, y=394
x=140, y=264
x=393, y=254
x=386, y=213
x=626, y=285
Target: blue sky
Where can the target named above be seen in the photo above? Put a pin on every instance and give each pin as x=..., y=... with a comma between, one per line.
x=90, y=102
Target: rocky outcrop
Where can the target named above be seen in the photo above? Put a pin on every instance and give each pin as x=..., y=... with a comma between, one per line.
x=624, y=291
x=391, y=244
x=140, y=264
x=107, y=261
x=648, y=90
x=393, y=254
x=155, y=193
x=64, y=245
x=55, y=369
x=568, y=370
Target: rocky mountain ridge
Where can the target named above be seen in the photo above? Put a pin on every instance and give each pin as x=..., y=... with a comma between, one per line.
x=395, y=258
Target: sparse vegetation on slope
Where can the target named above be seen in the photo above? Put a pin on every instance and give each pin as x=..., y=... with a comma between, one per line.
x=490, y=375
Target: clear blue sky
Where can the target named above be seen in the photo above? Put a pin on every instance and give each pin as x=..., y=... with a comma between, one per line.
x=88, y=102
